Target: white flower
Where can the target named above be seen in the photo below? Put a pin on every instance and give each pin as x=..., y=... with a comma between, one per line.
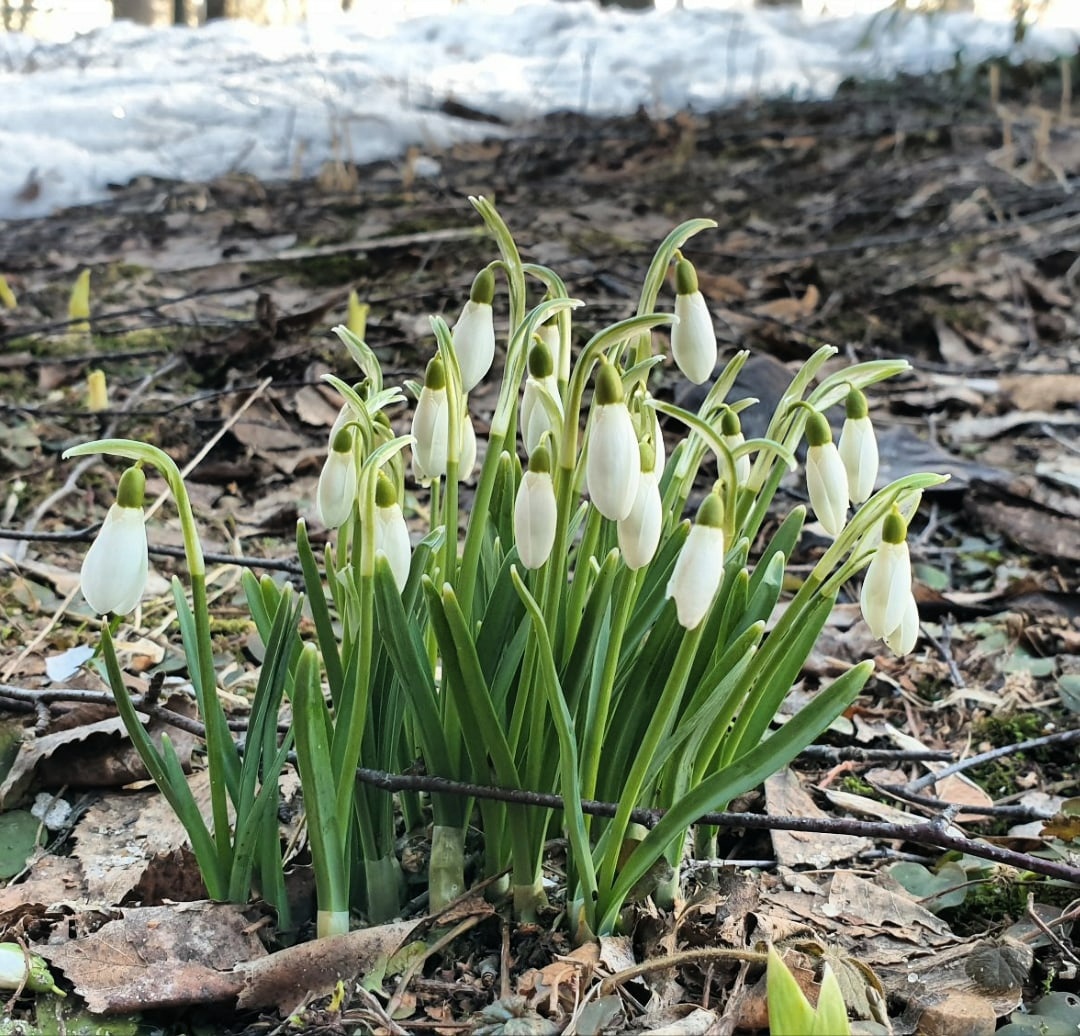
x=733, y=438
x=886, y=591
x=473, y=336
x=693, y=339
x=391, y=534
x=699, y=568
x=639, y=531
x=858, y=448
x=535, y=512
x=114, y=570
x=659, y=449
x=467, y=452
x=902, y=640
x=337, y=483
x=535, y=417
x=826, y=479
x=612, y=464
x=430, y=423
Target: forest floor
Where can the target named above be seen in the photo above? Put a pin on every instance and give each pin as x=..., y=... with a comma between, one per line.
x=922, y=219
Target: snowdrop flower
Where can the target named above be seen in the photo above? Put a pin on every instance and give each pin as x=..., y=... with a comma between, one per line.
x=114, y=570
x=858, y=448
x=693, y=340
x=467, y=452
x=473, y=336
x=559, y=350
x=612, y=464
x=535, y=419
x=535, y=511
x=732, y=436
x=699, y=569
x=826, y=479
x=887, y=603
x=391, y=533
x=657, y=442
x=337, y=482
x=430, y=424
x=639, y=531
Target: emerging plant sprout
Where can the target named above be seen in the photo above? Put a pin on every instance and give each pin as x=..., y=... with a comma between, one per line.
x=571, y=632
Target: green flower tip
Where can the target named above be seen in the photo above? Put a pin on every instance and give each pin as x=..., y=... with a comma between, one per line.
x=132, y=489
x=855, y=407
x=711, y=512
x=483, y=287
x=435, y=375
x=894, y=528
x=685, y=277
x=818, y=432
x=541, y=364
x=540, y=461
x=647, y=454
x=385, y=494
x=343, y=440
x=730, y=423
x=608, y=384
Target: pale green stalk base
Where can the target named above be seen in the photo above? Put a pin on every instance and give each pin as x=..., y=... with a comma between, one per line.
x=529, y=900
x=666, y=893
x=382, y=880
x=332, y=922
x=446, y=869
x=705, y=842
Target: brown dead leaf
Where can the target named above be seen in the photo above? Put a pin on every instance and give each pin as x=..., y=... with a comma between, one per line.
x=1041, y=391
x=160, y=957
x=784, y=796
x=290, y=976
x=790, y=311
x=557, y=987
x=857, y=901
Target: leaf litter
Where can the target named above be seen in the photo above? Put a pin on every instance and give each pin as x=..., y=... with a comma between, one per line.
x=915, y=219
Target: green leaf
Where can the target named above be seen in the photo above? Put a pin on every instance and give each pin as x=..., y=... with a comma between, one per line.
x=20, y=835
x=790, y=1013
x=939, y=891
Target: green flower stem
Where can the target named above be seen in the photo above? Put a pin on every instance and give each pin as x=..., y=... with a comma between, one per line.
x=657, y=730
x=446, y=870
x=221, y=752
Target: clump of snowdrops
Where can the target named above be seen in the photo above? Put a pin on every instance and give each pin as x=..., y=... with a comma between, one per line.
x=570, y=631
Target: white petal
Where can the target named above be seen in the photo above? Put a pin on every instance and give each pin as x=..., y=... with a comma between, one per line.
x=742, y=463
x=429, y=427
x=474, y=343
x=534, y=415
x=697, y=575
x=903, y=639
x=886, y=588
x=693, y=340
x=391, y=536
x=613, y=464
x=826, y=482
x=467, y=453
x=658, y=445
x=337, y=489
x=534, y=518
x=859, y=452
x=639, y=531
x=114, y=570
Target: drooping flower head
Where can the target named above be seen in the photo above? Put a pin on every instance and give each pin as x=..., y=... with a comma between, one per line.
x=826, y=479
x=535, y=418
x=430, y=424
x=115, y=568
x=391, y=531
x=639, y=532
x=473, y=336
x=693, y=339
x=858, y=447
x=732, y=435
x=336, y=493
x=535, y=510
x=611, y=467
x=887, y=603
x=699, y=568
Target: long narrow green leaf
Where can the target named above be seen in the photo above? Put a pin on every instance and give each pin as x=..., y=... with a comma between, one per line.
x=320, y=613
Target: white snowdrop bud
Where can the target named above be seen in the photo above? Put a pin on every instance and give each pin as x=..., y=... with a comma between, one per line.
x=473, y=336
x=732, y=435
x=699, y=568
x=886, y=591
x=858, y=448
x=430, y=423
x=639, y=531
x=611, y=467
x=391, y=534
x=903, y=639
x=826, y=480
x=467, y=452
x=693, y=340
x=535, y=419
x=535, y=511
x=114, y=570
x=337, y=482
